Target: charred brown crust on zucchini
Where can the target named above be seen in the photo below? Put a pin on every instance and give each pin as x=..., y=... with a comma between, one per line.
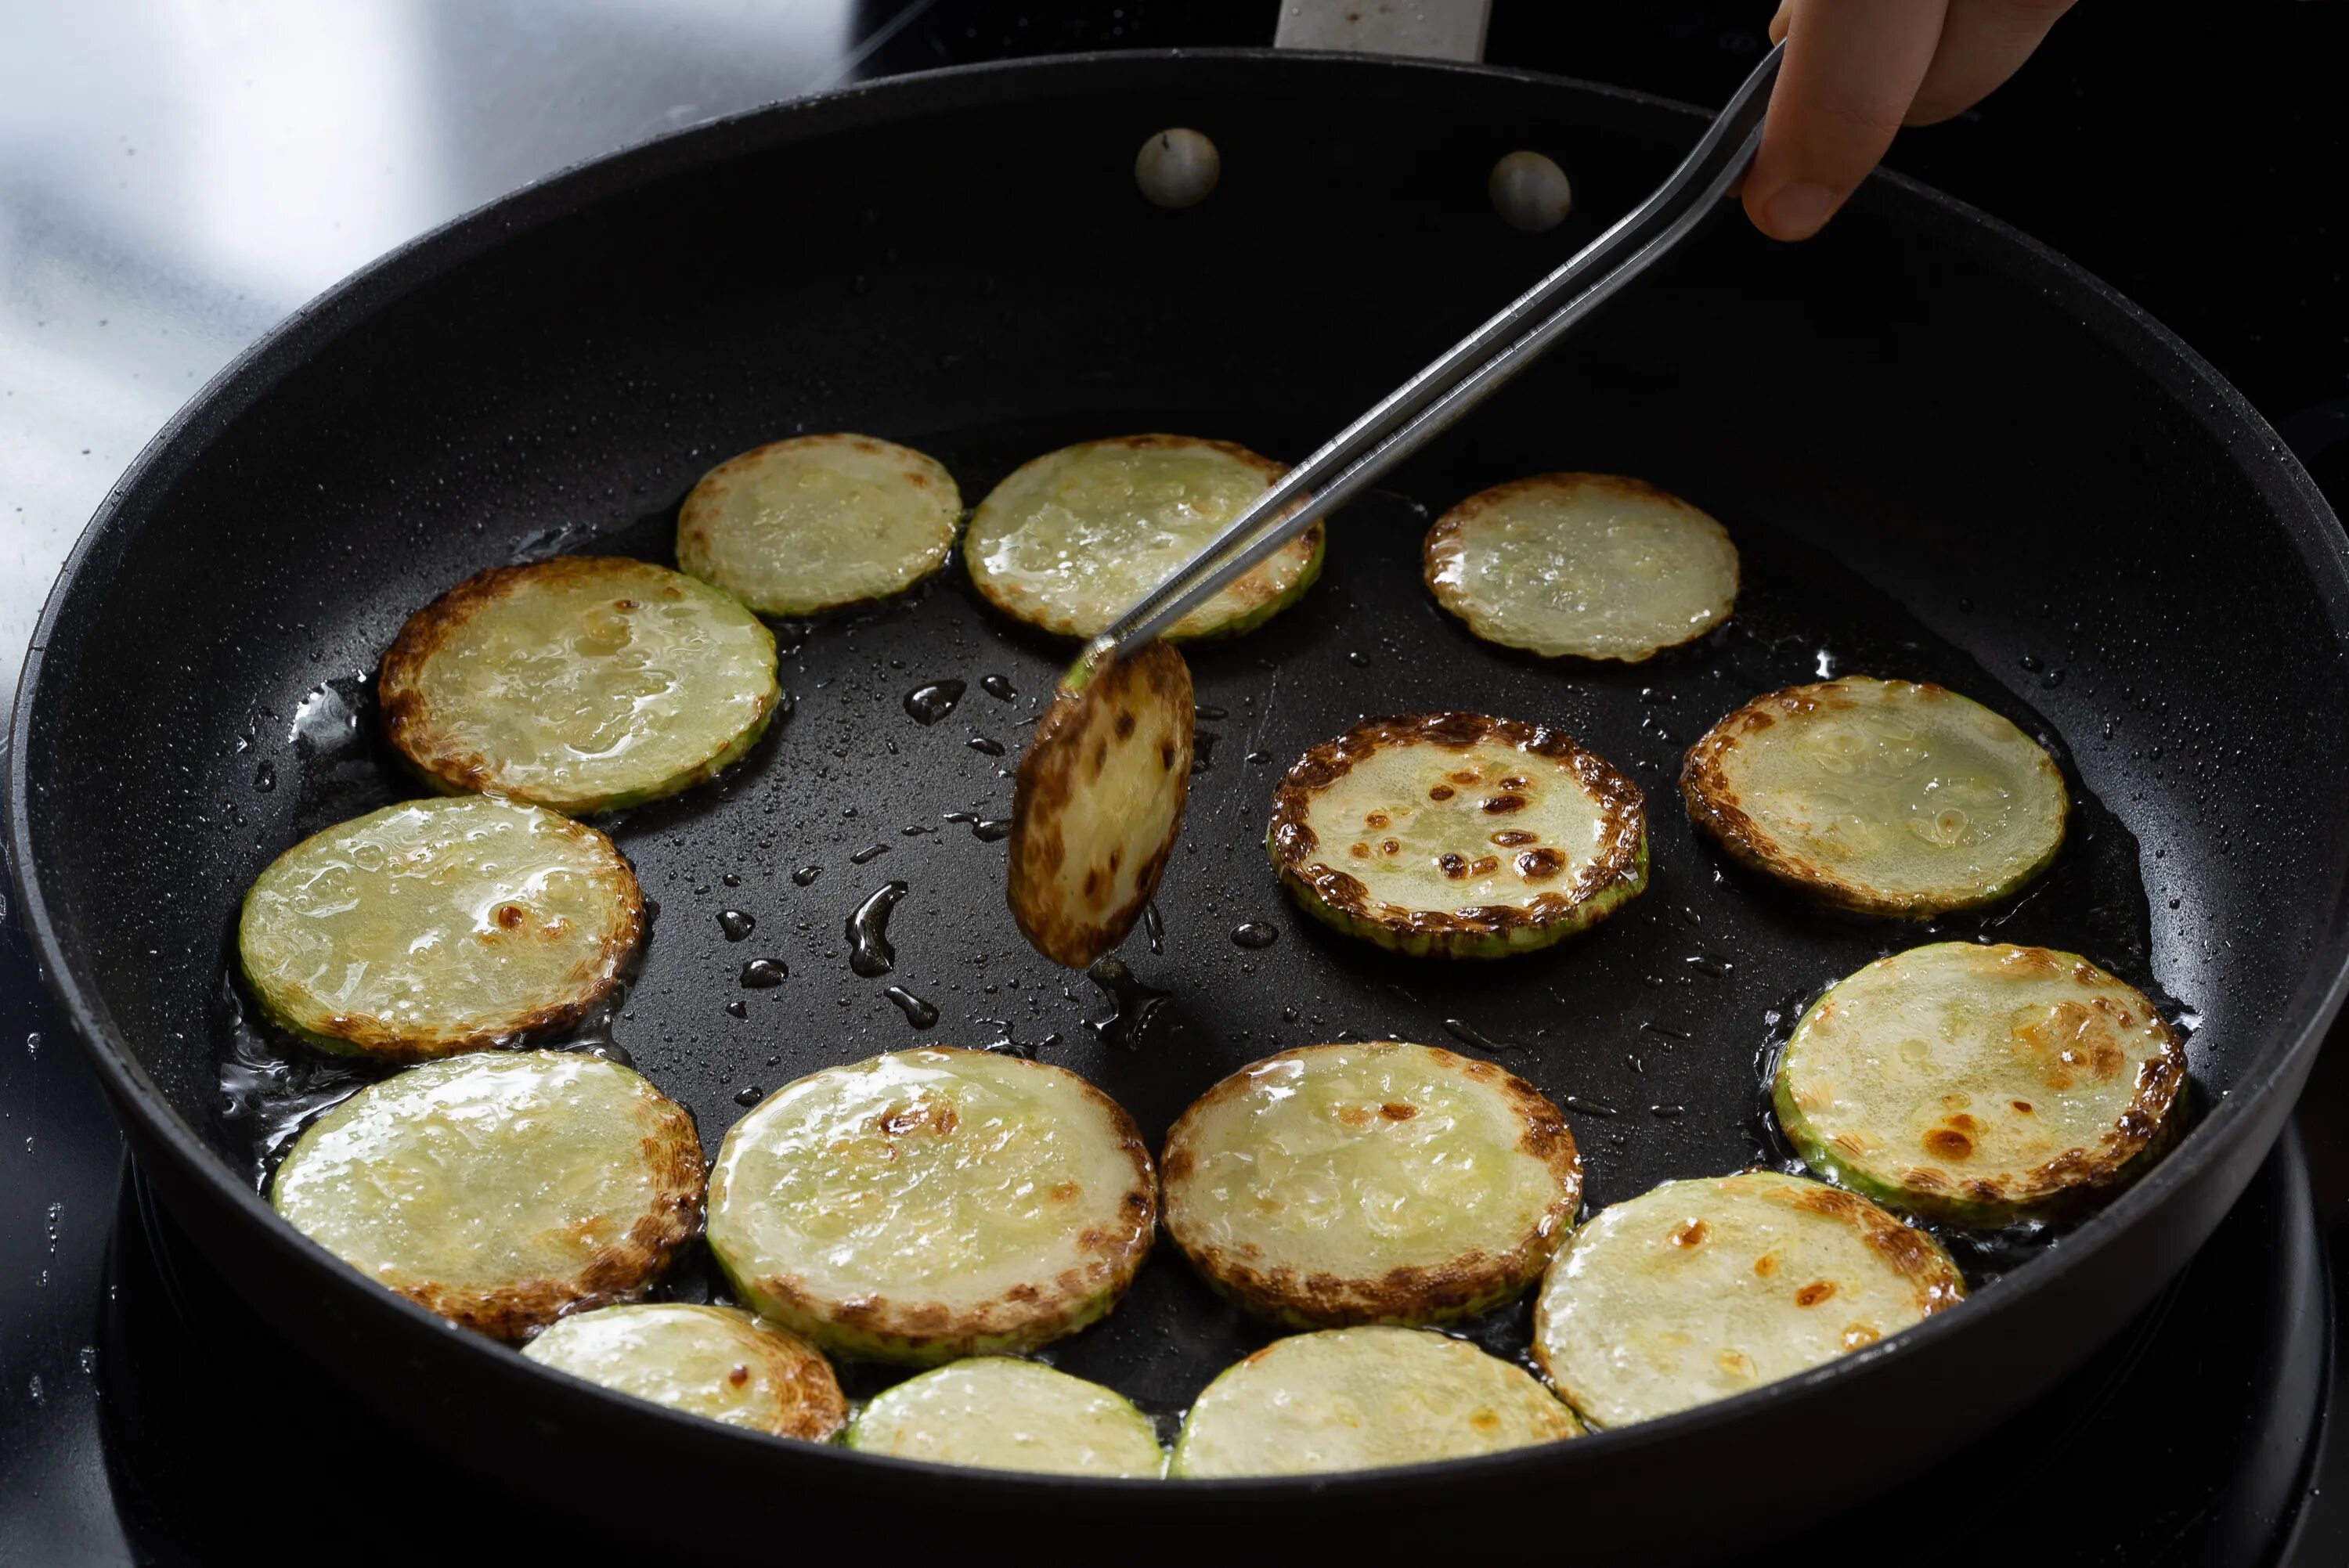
x=1933, y=1280
x=1293, y=843
x=1143, y=699
x=1469, y=1282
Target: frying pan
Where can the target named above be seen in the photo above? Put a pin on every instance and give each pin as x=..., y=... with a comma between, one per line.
x=1945, y=453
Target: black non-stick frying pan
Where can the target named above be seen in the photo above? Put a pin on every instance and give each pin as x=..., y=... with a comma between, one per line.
x=1945, y=454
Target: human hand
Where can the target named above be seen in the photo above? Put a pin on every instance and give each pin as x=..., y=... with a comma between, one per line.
x=1856, y=71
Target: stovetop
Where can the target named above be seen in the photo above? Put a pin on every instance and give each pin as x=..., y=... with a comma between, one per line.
x=174, y=179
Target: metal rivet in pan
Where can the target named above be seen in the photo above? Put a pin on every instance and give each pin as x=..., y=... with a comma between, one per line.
x=1529, y=192
x=1177, y=167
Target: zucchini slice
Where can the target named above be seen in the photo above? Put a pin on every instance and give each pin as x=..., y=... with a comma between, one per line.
x=1884, y=797
x=991, y=1412
x=817, y=522
x=438, y=926
x=928, y=1204
x=586, y=683
x=1361, y=1398
x=1384, y=1182
x=1074, y=537
x=1457, y=835
x=1981, y=1085
x=1097, y=801
x=1698, y=1290
x=718, y=1362
x=501, y=1190
x=1589, y=566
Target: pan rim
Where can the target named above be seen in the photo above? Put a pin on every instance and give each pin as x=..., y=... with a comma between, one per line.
x=2102, y=311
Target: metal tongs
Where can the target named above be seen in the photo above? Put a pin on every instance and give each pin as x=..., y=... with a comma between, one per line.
x=1467, y=374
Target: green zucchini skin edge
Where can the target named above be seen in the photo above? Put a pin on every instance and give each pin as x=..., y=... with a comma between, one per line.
x=1239, y=625
x=1457, y=945
x=1950, y=1209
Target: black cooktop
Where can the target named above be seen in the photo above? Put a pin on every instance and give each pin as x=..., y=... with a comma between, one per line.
x=145, y=1417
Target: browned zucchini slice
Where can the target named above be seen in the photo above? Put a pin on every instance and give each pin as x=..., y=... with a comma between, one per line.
x=1981, y=1084
x=819, y=521
x=1589, y=566
x=1884, y=797
x=1459, y=835
x=584, y=683
x=1073, y=538
x=501, y=1190
x=1099, y=801
x=1380, y=1182
x=1698, y=1290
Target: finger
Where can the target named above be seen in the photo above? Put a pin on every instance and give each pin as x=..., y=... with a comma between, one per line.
x=1983, y=42
x=1852, y=68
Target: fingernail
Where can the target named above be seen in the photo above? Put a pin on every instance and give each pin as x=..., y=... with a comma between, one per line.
x=1797, y=210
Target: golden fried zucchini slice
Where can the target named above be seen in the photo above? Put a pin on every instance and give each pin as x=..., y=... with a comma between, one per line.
x=928, y=1204
x=438, y=926
x=991, y=1412
x=1074, y=538
x=1884, y=797
x=1980, y=1084
x=819, y=521
x=1590, y=567
x=718, y=1362
x=1362, y=1398
x=586, y=683
x=1097, y=801
x=501, y=1190
x=1459, y=835
x=1698, y=1290
x=1380, y=1182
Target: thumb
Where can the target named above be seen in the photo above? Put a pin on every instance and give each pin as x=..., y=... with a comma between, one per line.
x=1852, y=66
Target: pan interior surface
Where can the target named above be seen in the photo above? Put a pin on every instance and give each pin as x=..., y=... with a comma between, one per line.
x=1932, y=467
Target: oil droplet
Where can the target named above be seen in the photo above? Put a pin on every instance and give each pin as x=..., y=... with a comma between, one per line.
x=736, y=924
x=806, y=875
x=1008, y=1047
x=870, y=954
x=737, y=1008
x=762, y=974
x=265, y=777
x=1706, y=964
x=1587, y=1107
x=993, y=830
x=1666, y=1112
x=928, y=704
x=1468, y=1034
x=1132, y=1003
x=1255, y=934
x=749, y=1095
x=1208, y=713
x=731, y=880
x=869, y=853
x=998, y=687
x=1153, y=926
x=918, y=1013
x=986, y=745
